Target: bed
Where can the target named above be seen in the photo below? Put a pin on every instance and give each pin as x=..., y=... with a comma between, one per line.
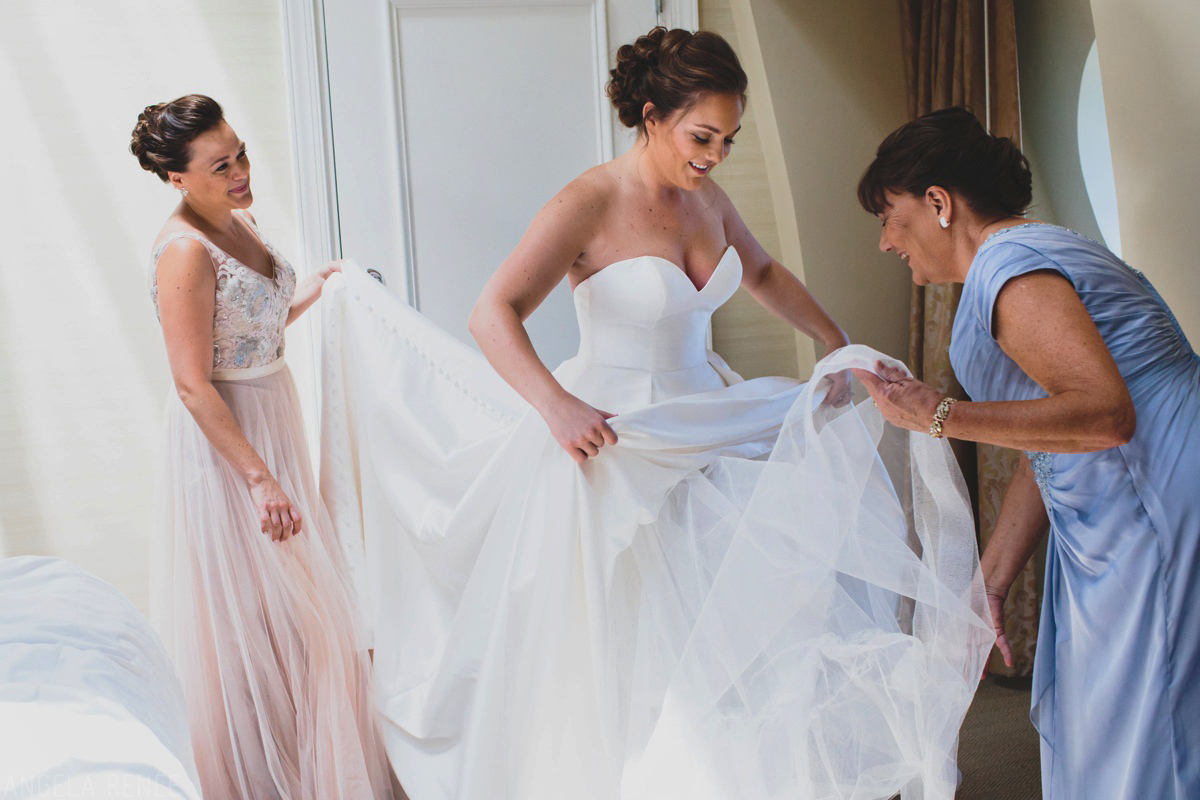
x=90, y=706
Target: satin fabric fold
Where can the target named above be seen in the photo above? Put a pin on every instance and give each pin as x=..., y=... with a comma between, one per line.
x=752, y=594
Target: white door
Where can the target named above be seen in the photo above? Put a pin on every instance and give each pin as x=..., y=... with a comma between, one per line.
x=454, y=121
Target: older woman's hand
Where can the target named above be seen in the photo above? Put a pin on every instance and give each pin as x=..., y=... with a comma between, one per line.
x=995, y=599
x=903, y=400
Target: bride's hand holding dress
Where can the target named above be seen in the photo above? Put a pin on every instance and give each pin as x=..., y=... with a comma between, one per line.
x=553, y=241
x=578, y=428
x=634, y=206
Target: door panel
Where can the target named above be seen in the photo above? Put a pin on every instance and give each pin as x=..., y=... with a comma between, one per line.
x=492, y=135
x=454, y=121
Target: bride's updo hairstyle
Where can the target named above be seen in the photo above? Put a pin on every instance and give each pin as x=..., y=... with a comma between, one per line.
x=949, y=148
x=162, y=138
x=671, y=69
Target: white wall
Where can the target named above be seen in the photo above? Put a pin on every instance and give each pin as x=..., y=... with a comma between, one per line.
x=83, y=375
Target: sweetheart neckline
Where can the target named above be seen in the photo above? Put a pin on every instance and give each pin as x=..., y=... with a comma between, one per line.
x=675, y=268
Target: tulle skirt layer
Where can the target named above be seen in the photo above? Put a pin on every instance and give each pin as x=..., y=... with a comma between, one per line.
x=751, y=595
x=263, y=633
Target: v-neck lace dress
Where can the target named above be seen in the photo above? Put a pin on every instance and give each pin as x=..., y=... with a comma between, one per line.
x=263, y=633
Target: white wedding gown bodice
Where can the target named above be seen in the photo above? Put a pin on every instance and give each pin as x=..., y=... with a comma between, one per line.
x=750, y=595
x=643, y=317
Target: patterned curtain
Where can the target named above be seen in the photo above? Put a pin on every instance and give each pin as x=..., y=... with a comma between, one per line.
x=964, y=52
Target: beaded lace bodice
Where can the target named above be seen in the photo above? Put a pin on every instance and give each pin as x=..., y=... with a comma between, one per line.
x=251, y=309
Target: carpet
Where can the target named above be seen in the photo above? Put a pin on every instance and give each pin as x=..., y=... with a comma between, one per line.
x=998, y=746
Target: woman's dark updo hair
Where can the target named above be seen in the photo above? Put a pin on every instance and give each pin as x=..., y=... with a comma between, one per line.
x=162, y=138
x=949, y=148
x=671, y=68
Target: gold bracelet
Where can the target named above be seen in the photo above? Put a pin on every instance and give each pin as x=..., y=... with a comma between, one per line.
x=939, y=417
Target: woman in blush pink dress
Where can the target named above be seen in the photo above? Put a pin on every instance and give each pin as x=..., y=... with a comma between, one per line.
x=251, y=586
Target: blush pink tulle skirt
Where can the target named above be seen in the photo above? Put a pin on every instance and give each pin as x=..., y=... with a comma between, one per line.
x=264, y=633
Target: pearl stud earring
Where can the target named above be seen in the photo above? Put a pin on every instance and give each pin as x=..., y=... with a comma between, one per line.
x=941, y=220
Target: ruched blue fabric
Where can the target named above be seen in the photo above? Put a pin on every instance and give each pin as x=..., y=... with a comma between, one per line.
x=1116, y=694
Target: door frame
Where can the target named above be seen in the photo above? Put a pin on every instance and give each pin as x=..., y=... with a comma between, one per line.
x=310, y=112
x=311, y=117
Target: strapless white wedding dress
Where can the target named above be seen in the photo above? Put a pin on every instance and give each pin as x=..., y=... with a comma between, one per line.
x=752, y=595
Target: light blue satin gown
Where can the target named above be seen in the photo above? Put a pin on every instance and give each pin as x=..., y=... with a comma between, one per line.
x=1116, y=687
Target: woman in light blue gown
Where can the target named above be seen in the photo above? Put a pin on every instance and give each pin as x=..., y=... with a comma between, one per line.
x=1073, y=357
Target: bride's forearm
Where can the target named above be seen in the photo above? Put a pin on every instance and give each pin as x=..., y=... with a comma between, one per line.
x=782, y=293
x=505, y=343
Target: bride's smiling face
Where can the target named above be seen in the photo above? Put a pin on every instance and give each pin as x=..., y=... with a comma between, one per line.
x=689, y=144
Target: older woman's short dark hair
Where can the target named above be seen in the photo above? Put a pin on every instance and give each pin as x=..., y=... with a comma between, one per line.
x=951, y=149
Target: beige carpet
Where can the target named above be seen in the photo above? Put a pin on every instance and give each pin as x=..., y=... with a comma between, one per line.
x=998, y=747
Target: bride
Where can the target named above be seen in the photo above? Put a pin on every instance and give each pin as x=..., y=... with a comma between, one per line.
x=639, y=576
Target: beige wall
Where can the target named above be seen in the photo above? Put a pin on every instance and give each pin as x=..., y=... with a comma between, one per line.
x=82, y=370
x=1053, y=40
x=751, y=339
x=827, y=84
x=1150, y=68
x=831, y=78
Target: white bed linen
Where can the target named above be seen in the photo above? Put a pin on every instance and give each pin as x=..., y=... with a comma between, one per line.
x=90, y=706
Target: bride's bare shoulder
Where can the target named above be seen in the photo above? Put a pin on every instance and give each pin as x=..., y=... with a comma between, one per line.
x=596, y=186
x=583, y=202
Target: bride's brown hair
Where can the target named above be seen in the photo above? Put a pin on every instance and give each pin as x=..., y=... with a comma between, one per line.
x=671, y=69
x=162, y=138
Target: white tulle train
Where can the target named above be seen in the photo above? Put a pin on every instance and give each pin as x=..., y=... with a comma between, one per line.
x=752, y=595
